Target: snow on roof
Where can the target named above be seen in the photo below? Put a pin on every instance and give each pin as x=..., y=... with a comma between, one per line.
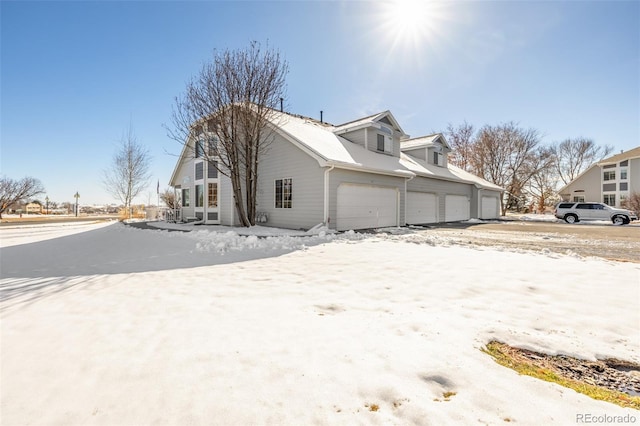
x=451, y=172
x=320, y=141
x=358, y=122
x=369, y=120
x=421, y=142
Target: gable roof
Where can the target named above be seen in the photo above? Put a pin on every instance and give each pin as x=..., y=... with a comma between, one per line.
x=627, y=155
x=369, y=121
x=423, y=142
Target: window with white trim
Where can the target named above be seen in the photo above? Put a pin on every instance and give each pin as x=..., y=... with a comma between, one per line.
x=199, y=148
x=213, y=195
x=199, y=195
x=609, y=175
x=185, y=197
x=623, y=174
x=212, y=146
x=284, y=193
x=437, y=158
x=384, y=142
x=609, y=199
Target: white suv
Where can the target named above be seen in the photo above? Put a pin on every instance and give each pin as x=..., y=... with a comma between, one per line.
x=575, y=212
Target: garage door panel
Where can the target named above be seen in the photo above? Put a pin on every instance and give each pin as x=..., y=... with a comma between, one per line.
x=489, y=207
x=457, y=208
x=421, y=207
x=361, y=207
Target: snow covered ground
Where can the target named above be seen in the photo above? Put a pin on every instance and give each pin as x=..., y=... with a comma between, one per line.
x=111, y=325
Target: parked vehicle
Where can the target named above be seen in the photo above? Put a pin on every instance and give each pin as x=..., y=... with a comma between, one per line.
x=575, y=212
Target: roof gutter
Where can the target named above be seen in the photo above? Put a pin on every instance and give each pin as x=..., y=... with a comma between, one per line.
x=358, y=167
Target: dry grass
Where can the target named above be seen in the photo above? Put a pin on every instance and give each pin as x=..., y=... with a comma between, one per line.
x=508, y=356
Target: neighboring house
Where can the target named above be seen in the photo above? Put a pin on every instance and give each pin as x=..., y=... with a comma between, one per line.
x=362, y=174
x=610, y=181
x=33, y=208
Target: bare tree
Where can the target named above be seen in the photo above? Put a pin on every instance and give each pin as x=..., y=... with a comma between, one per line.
x=14, y=191
x=224, y=116
x=573, y=156
x=632, y=202
x=168, y=196
x=502, y=155
x=461, y=140
x=543, y=183
x=128, y=174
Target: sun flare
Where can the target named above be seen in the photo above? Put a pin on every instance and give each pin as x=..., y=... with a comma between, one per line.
x=410, y=24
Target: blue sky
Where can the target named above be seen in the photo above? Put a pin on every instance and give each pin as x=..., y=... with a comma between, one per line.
x=75, y=74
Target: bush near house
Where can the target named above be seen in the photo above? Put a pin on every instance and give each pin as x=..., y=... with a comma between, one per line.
x=632, y=203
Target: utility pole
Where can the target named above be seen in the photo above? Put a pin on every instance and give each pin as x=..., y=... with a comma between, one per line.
x=76, y=195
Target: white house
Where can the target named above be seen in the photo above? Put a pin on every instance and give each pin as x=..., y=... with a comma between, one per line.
x=610, y=181
x=362, y=174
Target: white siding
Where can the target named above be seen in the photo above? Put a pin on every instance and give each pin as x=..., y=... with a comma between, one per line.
x=282, y=161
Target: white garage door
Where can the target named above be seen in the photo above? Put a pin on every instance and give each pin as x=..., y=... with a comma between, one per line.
x=362, y=207
x=421, y=208
x=489, y=208
x=456, y=208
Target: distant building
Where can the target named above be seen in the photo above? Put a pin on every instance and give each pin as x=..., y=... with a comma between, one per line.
x=610, y=181
x=33, y=208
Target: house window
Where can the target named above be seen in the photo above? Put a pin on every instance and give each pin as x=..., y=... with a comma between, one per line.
x=609, y=199
x=284, y=193
x=578, y=199
x=624, y=163
x=624, y=186
x=437, y=158
x=609, y=175
x=185, y=197
x=199, y=149
x=213, y=195
x=199, y=195
x=384, y=143
x=213, y=146
x=212, y=170
x=380, y=143
x=199, y=171
x=623, y=174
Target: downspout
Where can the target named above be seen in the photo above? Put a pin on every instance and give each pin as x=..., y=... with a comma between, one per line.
x=326, y=196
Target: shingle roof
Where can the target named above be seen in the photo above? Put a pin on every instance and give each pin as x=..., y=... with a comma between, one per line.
x=632, y=153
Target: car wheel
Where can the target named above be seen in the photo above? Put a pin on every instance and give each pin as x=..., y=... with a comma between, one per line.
x=618, y=220
x=571, y=218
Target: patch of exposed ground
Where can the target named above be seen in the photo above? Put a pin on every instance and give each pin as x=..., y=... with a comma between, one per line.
x=611, y=243
x=611, y=380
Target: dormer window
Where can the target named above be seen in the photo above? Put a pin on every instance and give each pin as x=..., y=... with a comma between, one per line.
x=437, y=158
x=384, y=141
